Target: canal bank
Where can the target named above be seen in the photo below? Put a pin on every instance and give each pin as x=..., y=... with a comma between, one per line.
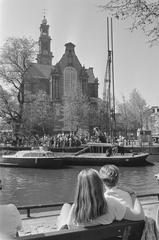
x=152, y=150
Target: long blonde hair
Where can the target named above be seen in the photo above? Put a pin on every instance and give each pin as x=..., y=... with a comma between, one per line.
x=89, y=200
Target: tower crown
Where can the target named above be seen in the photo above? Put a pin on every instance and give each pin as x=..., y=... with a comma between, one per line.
x=45, y=55
x=44, y=21
x=44, y=27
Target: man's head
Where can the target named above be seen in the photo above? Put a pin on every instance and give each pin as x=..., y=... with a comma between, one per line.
x=110, y=175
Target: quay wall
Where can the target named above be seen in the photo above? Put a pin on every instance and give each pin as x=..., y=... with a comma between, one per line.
x=152, y=150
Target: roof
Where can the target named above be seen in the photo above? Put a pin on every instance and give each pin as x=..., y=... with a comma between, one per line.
x=40, y=70
x=69, y=44
x=32, y=153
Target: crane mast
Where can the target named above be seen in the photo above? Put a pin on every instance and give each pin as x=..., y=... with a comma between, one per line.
x=109, y=89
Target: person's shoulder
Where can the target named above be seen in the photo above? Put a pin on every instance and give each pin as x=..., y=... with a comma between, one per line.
x=111, y=193
x=122, y=192
x=8, y=209
x=110, y=197
x=113, y=201
x=7, y=206
x=12, y=208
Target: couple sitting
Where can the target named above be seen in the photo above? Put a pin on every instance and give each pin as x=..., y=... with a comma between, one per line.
x=98, y=200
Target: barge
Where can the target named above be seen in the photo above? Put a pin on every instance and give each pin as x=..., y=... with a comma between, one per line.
x=97, y=154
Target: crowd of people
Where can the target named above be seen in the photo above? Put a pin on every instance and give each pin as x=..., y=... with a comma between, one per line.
x=61, y=140
x=98, y=200
x=57, y=140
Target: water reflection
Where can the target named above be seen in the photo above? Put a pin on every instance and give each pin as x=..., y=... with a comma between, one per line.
x=24, y=186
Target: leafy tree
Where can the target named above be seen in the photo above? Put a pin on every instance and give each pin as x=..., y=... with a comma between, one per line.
x=15, y=60
x=141, y=14
x=39, y=114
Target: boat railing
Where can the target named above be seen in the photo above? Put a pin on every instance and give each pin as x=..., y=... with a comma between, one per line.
x=82, y=151
x=57, y=206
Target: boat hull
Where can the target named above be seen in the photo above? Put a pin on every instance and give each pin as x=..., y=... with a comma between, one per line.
x=52, y=163
x=101, y=159
x=80, y=158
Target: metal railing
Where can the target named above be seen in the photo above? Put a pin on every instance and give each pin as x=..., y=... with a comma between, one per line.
x=148, y=195
x=54, y=206
x=28, y=208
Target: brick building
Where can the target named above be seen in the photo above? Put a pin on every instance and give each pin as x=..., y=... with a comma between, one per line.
x=60, y=80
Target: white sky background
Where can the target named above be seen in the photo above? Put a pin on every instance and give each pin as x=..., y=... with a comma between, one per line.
x=82, y=23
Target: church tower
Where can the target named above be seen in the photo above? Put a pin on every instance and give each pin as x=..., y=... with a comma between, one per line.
x=45, y=55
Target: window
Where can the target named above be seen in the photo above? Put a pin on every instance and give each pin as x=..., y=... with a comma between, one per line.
x=70, y=80
x=55, y=88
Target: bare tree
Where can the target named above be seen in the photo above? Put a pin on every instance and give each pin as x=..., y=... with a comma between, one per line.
x=39, y=114
x=137, y=107
x=8, y=106
x=123, y=117
x=15, y=60
x=141, y=14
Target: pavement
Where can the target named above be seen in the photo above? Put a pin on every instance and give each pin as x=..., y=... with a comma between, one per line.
x=44, y=222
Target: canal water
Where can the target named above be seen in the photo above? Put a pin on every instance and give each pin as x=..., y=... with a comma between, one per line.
x=23, y=186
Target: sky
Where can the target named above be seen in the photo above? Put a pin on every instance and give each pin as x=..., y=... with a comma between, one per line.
x=84, y=24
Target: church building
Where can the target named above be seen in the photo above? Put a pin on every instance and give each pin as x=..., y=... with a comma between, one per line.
x=59, y=80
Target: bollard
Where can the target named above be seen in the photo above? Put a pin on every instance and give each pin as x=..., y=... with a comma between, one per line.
x=28, y=212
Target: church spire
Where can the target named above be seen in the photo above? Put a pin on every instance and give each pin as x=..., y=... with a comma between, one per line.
x=45, y=55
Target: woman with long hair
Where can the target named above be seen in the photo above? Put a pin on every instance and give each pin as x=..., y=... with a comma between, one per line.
x=90, y=206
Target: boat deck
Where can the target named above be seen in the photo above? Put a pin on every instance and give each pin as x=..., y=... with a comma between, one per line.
x=103, y=155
